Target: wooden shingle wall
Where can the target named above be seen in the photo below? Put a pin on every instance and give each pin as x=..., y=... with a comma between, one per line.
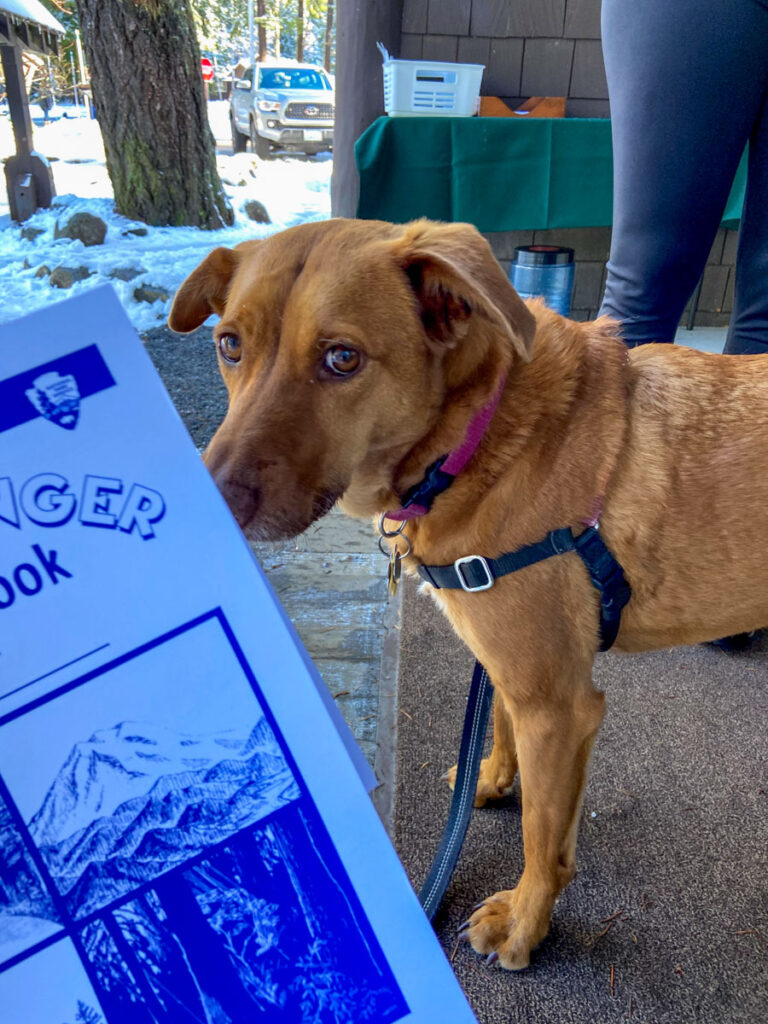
x=529, y=47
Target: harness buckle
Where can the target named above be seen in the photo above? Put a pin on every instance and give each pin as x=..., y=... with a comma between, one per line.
x=462, y=578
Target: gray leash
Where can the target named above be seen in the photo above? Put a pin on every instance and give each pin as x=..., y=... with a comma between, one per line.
x=470, y=755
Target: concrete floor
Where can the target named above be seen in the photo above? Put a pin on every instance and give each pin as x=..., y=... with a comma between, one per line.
x=705, y=339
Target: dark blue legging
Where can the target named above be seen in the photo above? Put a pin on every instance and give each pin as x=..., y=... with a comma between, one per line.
x=688, y=81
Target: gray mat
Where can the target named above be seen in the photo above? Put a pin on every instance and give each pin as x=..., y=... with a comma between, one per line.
x=674, y=836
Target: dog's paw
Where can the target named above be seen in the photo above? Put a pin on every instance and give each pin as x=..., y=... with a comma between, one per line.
x=502, y=930
x=492, y=783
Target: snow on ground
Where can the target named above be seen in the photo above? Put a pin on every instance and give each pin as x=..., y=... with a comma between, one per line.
x=293, y=188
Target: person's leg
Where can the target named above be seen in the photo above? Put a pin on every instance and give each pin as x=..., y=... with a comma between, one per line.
x=748, y=331
x=686, y=82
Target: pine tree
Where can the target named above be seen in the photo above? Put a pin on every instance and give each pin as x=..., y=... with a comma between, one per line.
x=87, y=1015
x=148, y=91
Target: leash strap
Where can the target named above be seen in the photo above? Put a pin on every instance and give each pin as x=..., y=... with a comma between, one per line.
x=470, y=755
x=474, y=573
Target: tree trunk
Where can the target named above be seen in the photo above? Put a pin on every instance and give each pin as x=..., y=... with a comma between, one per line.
x=328, y=35
x=261, y=13
x=300, y=32
x=148, y=93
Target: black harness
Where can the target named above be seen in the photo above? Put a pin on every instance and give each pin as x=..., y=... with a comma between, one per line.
x=474, y=573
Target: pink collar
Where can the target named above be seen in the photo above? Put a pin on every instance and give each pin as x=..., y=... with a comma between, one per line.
x=417, y=501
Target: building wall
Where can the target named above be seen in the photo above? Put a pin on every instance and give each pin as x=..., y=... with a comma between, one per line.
x=528, y=47
x=591, y=247
x=548, y=48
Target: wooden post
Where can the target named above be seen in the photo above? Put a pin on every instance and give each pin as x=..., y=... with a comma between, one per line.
x=28, y=176
x=359, y=87
x=17, y=99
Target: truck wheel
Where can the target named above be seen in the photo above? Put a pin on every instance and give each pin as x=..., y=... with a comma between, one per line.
x=261, y=146
x=239, y=141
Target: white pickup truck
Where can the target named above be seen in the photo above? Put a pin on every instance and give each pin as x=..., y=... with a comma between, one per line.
x=284, y=106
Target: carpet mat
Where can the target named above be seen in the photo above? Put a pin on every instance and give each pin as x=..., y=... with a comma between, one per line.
x=666, y=921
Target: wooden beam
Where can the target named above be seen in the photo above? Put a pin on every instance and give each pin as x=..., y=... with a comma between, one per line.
x=27, y=35
x=359, y=86
x=18, y=105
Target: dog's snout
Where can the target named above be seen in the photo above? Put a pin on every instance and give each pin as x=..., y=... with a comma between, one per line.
x=243, y=499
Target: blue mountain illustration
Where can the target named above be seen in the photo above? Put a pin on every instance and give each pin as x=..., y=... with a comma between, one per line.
x=137, y=799
x=27, y=914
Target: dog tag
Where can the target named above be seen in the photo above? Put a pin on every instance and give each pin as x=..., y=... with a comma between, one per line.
x=393, y=572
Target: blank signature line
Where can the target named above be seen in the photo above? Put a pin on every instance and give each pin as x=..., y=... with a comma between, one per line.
x=53, y=671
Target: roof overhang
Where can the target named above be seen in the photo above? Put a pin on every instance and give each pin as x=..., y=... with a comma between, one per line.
x=26, y=23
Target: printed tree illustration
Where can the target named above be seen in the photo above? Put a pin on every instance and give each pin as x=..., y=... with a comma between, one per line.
x=87, y=1015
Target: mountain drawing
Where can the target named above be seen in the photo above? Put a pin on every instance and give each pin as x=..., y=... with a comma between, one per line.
x=139, y=798
x=27, y=914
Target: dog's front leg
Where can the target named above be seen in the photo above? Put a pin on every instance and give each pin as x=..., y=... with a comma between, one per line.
x=554, y=739
x=498, y=770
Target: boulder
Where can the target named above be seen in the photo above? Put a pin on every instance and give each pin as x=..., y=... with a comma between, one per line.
x=65, y=277
x=257, y=211
x=126, y=273
x=84, y=226
x=150, y=293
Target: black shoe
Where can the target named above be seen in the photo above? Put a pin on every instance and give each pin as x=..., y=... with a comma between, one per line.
x=738, y=643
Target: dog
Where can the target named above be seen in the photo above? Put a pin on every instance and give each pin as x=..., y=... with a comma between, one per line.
x=357, y=353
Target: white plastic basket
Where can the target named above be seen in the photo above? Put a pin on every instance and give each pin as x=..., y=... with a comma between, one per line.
x=432, y=88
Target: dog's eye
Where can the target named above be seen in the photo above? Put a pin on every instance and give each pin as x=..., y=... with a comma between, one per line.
x=341, y=361
x=230, y=348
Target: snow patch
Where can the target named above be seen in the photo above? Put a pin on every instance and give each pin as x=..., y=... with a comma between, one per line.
x=293, y=189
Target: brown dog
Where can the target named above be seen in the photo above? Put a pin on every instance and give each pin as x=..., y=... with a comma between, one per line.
x=357, y=353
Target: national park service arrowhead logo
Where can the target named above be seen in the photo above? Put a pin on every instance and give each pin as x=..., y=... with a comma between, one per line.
x=57, y=398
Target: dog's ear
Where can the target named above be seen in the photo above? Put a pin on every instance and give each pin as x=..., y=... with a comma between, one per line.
x=204, y=291
x=455, y=276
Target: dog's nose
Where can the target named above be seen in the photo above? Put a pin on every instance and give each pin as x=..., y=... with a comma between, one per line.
x=243, y=500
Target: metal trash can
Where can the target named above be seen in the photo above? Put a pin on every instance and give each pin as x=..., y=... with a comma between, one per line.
x=545, y=271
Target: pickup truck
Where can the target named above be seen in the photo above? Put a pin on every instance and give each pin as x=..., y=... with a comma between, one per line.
x=284, y=106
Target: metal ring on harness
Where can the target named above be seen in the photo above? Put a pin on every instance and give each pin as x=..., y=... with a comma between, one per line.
x=391, y=534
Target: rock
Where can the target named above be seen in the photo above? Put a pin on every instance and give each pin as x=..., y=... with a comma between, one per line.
x=31, y=233
x=89, y=229
x=150, y=293
x=43, y=271
x=126, y=273
x=256, y=211
x=65, y=277
x=139, y=232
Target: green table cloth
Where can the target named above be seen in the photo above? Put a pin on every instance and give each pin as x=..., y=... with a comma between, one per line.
x=498, y=173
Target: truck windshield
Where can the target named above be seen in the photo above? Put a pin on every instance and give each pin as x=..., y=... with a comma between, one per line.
x=292, y=78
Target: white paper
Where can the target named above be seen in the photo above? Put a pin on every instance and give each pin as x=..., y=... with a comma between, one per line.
x=183, y=835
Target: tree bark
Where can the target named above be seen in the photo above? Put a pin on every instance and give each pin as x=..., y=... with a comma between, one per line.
x=261, y=13
x=300, y=31
x=328, y=35
x=148, y=93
